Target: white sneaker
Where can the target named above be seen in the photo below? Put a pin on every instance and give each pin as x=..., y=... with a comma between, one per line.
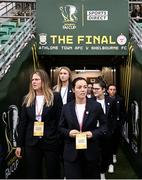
x=111, y=168
x=114, y=158
x=103, y=176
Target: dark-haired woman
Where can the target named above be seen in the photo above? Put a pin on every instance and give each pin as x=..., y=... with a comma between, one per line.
x=109, y=109
x=78, y=124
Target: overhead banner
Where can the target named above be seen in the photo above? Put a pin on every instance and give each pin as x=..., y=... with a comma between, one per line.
x=82, y=27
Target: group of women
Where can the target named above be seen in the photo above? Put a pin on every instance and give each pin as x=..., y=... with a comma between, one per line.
x=62, y=123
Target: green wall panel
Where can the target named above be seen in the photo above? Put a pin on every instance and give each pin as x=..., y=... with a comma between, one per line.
x=82, y=27
x=13, y=87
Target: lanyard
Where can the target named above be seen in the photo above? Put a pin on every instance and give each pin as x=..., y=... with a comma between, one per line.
x=80, y=122
x=39, y=110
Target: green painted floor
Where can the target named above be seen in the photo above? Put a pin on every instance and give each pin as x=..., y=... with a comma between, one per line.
x=122, y=169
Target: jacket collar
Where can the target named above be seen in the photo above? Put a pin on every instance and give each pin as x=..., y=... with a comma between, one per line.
x=44, y=111
x=86, y=113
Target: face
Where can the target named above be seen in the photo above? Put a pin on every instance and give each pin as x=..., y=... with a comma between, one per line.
x=111, y=90
x=137, y=7
x=64, y=75
x=98, y=91
x=36, y=82
x=89, y=88
x=80, y=89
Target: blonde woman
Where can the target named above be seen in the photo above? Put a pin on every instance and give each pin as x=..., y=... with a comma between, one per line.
x=64, y=84
x=38, y=127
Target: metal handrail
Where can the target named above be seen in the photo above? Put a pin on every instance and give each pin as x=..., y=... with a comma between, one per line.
x=135, y=29
x=135, y=2
x=6, y=8
x=13, y=47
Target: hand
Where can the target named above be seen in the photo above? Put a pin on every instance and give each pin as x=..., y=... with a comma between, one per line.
x=73, y=133
x=18, y=152
x=137, y=18
x=89, y=134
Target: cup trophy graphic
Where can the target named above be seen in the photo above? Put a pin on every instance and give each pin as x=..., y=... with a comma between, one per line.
x=14, y=119
x=69, y=13
x=10, y=120
x=135, y=118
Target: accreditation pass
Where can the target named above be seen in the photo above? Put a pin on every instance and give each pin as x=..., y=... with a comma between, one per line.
x=81, y=141
x=38, y=128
